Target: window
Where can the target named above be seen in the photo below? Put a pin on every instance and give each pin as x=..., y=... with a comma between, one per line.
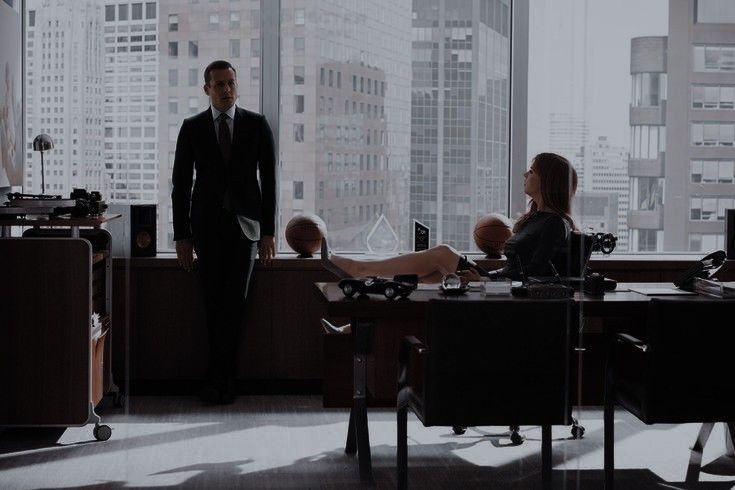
x=173, y=77
x=298, y=189
x=122, y=11
x=255, y=47
x=109, y=14
x=298, y=46
x=193, y=77
x=234, y=20
x=713, y=134
x=298, y=102
x=299, y=17
x=234, y=48
x=298, y=75
x=213, y=22
x=715, y=11
x=714, y=58
x=193, y=49
x=173, y=49
x=173, y=105
x=150, y=10
x=298, y=133
x=137, y=11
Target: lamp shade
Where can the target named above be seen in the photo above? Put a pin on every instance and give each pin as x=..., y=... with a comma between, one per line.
x=42, y=142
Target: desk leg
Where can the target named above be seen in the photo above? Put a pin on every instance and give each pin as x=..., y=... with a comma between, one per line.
x=357, y=433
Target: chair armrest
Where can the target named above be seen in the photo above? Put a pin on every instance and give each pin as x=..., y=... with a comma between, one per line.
x=630, y=340
x=408, y=344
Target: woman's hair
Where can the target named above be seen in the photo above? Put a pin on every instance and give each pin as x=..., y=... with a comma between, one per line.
x=558, y=182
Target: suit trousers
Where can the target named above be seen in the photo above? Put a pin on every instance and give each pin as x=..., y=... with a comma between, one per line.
x=225, y=259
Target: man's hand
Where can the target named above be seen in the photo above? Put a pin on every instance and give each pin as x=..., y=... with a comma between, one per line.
x=267, y=248
x=185, y=254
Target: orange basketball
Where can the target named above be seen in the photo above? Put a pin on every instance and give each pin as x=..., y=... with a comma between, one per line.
x=304, y=233
x=491, y=232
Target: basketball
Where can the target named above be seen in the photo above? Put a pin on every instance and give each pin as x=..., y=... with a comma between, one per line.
x=304, y=234
x=490, y=234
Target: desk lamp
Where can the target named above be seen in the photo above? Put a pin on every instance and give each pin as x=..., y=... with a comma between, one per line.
x=42, y=142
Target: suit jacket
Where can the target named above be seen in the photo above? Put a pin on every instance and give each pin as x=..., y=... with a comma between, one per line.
x=252, y=152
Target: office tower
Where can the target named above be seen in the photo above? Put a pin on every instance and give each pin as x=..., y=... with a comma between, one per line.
x=131, y=101
x=647, y=163
x=191, y=35
x=683, y=130
x=63, y=90
x=700, y=123
x=345, y=111
x=568, y=135
x=459, y=115
x=603, y=197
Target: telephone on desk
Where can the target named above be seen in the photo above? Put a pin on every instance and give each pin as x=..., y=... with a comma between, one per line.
x=705, y=268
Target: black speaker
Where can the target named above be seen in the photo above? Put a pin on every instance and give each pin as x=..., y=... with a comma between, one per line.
x=730, y=233
x=133, y=234
x=143, y=230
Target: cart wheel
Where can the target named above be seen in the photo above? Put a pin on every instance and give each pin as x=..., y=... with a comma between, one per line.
x=102, y=432
x=118, y=400
x=348, y=290
x=459, y=430
x=390, y=292
x=516, y=438
x=577, y=431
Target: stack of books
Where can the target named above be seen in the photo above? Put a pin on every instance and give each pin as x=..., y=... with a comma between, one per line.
x=714, y=288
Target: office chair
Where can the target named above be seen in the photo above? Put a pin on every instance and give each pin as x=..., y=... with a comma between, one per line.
x=579, y=253
x=464, y=376
x=680, y=373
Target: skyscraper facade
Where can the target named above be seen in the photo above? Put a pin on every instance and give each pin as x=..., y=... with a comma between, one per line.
x=459, y=115
x=63, y=87
x=344, y=122
x=647, y=164
x=191, y=35
x=700, y=121
x=131, y=102
x=606, y=176
x=682, y=162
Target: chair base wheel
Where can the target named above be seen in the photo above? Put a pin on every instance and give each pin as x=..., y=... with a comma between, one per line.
x=102, y=432
x=459, y=430
x=515, y=437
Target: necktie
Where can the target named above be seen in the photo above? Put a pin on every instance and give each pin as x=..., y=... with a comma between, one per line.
x=225, y=141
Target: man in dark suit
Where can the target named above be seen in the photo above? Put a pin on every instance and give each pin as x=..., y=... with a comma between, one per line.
x=229, y=212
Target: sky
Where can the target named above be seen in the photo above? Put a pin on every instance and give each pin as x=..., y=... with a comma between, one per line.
x=558, y=56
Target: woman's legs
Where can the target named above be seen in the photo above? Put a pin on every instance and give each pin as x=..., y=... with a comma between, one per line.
x=430, y=265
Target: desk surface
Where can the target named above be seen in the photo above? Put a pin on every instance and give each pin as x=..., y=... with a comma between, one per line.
x=613, y=303
x=63, y=220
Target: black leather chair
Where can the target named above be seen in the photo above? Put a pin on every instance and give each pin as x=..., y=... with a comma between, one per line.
x=682, y=372
x=465, y=374
x=580, y=251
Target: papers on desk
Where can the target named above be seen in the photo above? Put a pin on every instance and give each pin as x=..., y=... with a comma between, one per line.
x=714, y=288
x=662, y=291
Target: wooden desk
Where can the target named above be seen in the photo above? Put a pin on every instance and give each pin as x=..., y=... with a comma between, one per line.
x=365, y=311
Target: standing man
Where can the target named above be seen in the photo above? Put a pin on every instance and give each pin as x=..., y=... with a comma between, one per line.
x=229, y=215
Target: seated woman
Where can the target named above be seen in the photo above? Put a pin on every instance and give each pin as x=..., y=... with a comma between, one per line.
x=538, y=247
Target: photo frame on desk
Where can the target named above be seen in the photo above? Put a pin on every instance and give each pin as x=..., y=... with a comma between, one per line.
x=421, y=236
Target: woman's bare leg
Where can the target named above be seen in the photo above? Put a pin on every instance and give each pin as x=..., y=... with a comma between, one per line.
x=430, y=265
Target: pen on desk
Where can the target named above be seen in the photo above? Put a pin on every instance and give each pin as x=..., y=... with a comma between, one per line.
x=520, y=270
x=553, y=269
